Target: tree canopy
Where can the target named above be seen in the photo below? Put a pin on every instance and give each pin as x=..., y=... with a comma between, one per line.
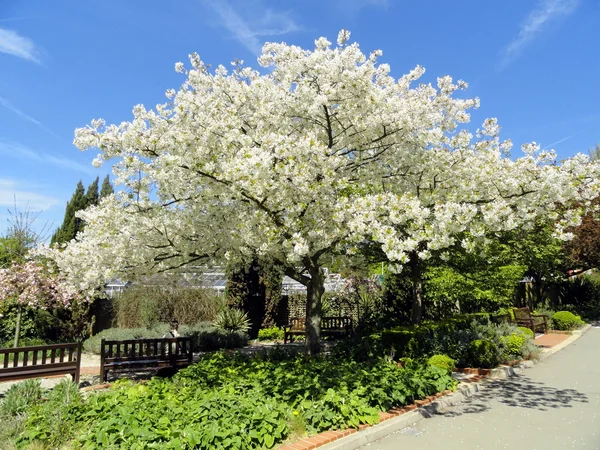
x=322, y=152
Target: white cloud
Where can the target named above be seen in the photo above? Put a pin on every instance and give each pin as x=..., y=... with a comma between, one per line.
x=8, y=105
x=11, y=191
x=14, y=44
x=12, y=149
x=259, y=22
x=537, y=20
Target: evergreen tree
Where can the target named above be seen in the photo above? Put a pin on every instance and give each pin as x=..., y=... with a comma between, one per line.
x=71, y=224
x=91, y=196
x=107, y=188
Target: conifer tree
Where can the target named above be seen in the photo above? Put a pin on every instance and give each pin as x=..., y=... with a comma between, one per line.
x=71, y=224
x=91, y=196
x=106, y=188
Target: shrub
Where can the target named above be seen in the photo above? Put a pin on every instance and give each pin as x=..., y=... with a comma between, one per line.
x=232, y=319
x=482, y=353
x=146, y=306
x=55, y=419
x=442, y=361
x=513, y=345
x=20, y=397
x=270, y=334
x=527, y=332
x=566, y=320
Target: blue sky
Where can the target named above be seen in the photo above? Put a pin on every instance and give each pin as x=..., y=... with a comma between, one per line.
x=533, y=63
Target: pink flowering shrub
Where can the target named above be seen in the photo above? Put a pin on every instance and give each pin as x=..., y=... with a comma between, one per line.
x=32, y=284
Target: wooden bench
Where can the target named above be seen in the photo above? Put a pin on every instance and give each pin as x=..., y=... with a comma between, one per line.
x=40, y=361
x=524, y=318
x=330, y=326
x=143, y=354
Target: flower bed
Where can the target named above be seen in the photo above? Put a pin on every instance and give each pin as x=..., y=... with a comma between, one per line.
x=235, y=401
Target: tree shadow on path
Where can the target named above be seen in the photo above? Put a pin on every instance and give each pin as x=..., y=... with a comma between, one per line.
x=519, y=392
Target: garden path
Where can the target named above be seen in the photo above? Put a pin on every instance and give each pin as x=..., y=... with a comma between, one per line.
x=554, y=405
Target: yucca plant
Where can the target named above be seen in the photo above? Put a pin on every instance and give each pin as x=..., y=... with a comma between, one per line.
x=232, y=319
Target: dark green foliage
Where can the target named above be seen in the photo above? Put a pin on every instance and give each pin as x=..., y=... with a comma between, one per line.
x=91, y=195
x=106, y=188
x=81, y=199
x=580, y=295
x=482, y=353
x=71, y=224
x=443, y=362
x=270, y=334
x=566, y=320
x=255, y=289
x=55, y=325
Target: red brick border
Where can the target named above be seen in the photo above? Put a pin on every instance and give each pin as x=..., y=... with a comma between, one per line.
x=326, y=437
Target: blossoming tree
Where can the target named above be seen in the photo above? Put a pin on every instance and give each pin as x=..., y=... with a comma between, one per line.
x=322, y=152
x=30, y=284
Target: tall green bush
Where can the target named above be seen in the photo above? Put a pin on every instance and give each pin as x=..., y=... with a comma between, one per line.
x=145, y=306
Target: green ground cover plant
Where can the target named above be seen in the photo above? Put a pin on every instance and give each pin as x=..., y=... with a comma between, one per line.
x=234, y=401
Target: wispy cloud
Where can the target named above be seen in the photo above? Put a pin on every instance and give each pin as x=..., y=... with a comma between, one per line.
x=256, y=23
x=566, y=138
x=536, y=22
x=14, y=44
x=8, y=105
x=14, y=150
x=12, y=192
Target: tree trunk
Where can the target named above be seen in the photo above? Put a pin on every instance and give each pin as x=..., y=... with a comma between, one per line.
x=18, y=326
x=314, y=294
x=417, y=288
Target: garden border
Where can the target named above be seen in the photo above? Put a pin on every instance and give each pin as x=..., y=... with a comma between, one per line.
x=399, y=418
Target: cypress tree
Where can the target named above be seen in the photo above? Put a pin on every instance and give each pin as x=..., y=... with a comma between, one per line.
x=91, y=196
x=107, y=188
x=71, y=224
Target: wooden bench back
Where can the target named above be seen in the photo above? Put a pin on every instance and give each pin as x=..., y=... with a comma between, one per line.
x=40, y=360
x=522, y=313
x=327, y=323
x=162, y=349
x=336, y=323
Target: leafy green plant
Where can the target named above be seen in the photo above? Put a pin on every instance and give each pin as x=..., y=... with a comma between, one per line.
x=443, y=362
x=566, y=320
x=270, y=334
x=513, y=345
x=482, y=353
x=232, y=319
x=20, y=397
x=230, y=400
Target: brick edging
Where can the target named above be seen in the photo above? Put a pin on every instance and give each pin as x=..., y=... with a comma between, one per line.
x=327, y=437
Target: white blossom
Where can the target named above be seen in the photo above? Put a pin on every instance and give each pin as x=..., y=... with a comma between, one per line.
x=322, y=151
